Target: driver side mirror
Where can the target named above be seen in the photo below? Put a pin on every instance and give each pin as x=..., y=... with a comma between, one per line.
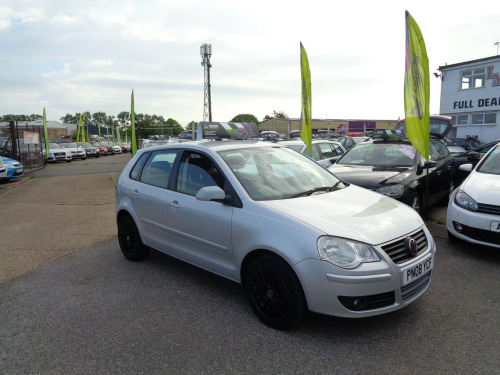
x=427, y=164
x=211, y=193
x=474, y=156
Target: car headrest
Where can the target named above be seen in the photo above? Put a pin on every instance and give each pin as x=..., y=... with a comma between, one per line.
x=235, y=162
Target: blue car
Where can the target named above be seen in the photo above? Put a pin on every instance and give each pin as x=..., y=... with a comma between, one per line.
x=14, y=168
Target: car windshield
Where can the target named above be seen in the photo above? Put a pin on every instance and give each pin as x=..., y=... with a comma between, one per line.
x=153, y=144
x=380, y=155
x=295, y=147
x=270, y=173
x=68, y=145
x=491, y=165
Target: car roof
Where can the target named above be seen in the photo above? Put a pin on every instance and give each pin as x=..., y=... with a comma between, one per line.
x=300, y=142
x=218, y=145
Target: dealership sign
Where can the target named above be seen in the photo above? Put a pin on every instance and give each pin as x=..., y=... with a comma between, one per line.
x=227, y=130
x=478, y=103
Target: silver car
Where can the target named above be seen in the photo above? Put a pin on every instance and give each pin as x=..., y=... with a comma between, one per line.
x=295, y=236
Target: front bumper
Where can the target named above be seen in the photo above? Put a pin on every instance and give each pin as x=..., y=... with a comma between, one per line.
x=475, y=226
x=370, y=289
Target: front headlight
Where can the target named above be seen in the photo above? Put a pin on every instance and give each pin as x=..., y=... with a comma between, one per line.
x=463, y=200
x=396, y=190
x=345, y=253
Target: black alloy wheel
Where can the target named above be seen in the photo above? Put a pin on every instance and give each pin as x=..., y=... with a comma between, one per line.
x=274, y=292
x=130, y=240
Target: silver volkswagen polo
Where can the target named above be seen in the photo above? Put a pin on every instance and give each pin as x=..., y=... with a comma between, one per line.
x=294, y=235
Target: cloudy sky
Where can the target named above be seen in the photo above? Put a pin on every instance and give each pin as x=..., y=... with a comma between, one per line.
x=72, y=56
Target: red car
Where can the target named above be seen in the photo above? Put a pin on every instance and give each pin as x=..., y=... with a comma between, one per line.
x=102, y=150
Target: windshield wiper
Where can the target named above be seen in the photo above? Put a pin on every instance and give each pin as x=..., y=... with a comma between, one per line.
x=325, y=189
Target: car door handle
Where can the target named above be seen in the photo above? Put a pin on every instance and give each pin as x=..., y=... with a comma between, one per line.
x=174, y=204
x=134, y=193
x=438, y=173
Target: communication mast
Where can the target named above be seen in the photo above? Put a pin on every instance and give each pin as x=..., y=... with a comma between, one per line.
x=206, y=52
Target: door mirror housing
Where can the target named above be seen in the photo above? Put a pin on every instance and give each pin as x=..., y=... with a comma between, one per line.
x=211, y=193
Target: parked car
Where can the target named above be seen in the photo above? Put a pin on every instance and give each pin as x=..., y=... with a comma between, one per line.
x=471, y=157
x=467, y=143
x=109, y=147
x=328, y=134
x=124, y=148
x=348, y=142
x=148, y=143
x=58, y=153
x=91, y=150
x=102, y=150
x=295, y=236
x=394, y=168
x=14, y=168
x=270, y=135
x=77, y=152
x=117, y=148
x=3, y=169
x=323, y=151
x=474, y=208
x=187, y=136
x=453, y=148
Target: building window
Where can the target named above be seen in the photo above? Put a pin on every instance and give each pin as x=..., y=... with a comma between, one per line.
x=484, y=118
x=473, y=78
x=460, y=120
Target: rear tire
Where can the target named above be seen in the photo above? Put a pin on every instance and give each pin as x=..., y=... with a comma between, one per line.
x=274, y=292
x=130, y=240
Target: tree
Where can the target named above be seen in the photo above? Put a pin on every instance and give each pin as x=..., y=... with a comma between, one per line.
x=276, y=114
x=69, y=119
x=192, y=125
x=99, y=118
x=245, y=117
x=31, y=117
x=175, y=127
x=123, y=119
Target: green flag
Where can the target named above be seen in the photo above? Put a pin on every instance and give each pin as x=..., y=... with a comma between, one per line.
x=83, y=130
x=46, y=135
x=416, y=89
x=132, y=124
x=305, y=116
x=78, y=129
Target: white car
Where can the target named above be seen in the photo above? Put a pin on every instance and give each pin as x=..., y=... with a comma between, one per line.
x=324, y=152
x=474, y=207
x=294, y=235
x=77, y=152
x=58, y=153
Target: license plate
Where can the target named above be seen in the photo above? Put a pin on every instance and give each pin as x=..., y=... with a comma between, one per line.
x=416, y=271
x=495, y=226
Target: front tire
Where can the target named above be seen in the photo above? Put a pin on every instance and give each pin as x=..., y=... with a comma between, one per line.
x=274, y=292
x=130, y=240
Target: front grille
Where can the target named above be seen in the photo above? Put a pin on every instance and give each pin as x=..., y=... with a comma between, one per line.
x=398, y=252
x=413, y=289
x=488, y=209
x=375, y=301
x=480, y=234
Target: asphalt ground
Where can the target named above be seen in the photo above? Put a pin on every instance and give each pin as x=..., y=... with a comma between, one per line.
x=81, y=308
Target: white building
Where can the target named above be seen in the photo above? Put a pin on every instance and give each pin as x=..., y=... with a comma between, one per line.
x=470, y=95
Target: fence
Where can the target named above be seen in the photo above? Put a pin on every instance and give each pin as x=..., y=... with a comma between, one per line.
x=23, y=143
